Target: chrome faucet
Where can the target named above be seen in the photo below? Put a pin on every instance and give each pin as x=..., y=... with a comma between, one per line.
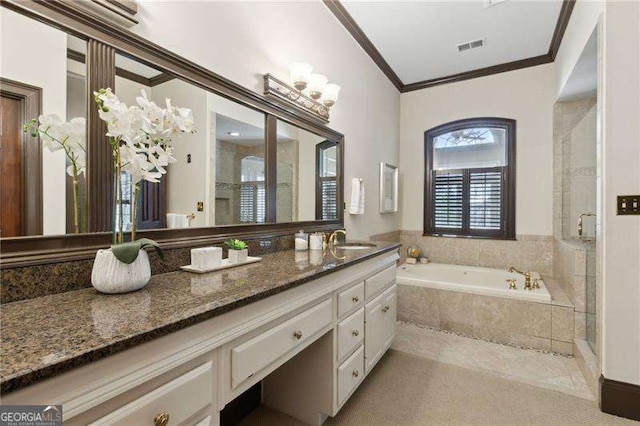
x=527, y=277
x=334, y=236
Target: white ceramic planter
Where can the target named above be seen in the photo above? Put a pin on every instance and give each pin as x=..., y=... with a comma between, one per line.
x=109, y=275
x=238, y=256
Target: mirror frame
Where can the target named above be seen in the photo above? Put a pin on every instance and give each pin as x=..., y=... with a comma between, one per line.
x=104, y=39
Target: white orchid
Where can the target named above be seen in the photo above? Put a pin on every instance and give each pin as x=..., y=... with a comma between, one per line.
x=141, y=136
x=57, y=135
x=70, y=137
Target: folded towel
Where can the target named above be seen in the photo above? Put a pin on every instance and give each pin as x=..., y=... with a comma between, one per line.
x=356, y=205
x=176, y=220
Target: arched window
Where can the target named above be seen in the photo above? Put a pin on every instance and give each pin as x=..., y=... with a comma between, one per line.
x=470, y=178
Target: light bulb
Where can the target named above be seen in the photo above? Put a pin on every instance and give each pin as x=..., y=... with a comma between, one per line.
x=300, y=74
x=316, y=85
x=330, y=94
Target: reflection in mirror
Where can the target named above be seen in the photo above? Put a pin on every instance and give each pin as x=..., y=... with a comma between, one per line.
x=239, y=165
x=307, y=176
x=44, y=165
x=218, y=178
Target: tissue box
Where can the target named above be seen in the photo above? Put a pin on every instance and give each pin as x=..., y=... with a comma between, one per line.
x=206, y=257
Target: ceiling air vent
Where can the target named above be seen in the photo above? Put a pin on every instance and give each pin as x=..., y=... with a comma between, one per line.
x=471, y=45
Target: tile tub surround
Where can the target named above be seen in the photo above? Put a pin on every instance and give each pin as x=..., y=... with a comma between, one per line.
x=42, y=280
x=533, y=252
x=528, y=324
x=46, y=336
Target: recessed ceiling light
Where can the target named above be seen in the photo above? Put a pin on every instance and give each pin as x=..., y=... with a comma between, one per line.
x=234, y=134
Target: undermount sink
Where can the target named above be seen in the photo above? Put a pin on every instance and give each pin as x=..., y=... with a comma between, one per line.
x=354, y=246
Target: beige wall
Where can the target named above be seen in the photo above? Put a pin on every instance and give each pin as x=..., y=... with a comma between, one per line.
x=621, y=175
x=36, y=54
x=369, y=105
x=186, y=182
x=525, y=95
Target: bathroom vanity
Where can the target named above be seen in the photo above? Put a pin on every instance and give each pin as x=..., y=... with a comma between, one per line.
x=179, y=350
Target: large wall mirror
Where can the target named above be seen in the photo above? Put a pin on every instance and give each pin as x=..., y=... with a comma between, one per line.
x=251, y=167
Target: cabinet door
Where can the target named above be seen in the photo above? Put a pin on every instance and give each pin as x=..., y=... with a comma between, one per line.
x=374, y=331
x=380, y=326
x=389, y=313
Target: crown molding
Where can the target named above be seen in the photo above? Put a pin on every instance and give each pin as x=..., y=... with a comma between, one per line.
x=343, y=16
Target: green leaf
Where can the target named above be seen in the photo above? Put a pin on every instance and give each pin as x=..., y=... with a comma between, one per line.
x=235, y=244
x=128, y=252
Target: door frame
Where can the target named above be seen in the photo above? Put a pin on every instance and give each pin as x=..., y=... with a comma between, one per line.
x=31, y=152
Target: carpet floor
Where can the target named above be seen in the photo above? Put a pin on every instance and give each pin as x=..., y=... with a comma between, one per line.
x=405, y=389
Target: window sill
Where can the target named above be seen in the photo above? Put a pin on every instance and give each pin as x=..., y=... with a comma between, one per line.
x=475, y=237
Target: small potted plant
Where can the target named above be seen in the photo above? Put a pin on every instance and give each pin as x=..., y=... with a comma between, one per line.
x=238, y=251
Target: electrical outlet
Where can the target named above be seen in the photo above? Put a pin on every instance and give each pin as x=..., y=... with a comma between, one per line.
x=628, y=204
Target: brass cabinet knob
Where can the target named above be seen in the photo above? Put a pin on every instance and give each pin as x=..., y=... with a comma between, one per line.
x=355, y=299
x=297, y=334
x=385, y=309
x=355, y=373
x=161, y=419
x=355, y=333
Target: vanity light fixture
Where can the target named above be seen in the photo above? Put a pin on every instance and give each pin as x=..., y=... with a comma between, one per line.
x=234, y=134
x=311, y=93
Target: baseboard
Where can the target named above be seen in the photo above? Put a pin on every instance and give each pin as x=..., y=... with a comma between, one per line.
x=620, y=398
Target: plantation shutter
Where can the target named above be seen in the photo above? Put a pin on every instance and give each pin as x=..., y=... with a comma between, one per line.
x=448, y=199
x=485, y=199
x=329, y=199
x=252, y=202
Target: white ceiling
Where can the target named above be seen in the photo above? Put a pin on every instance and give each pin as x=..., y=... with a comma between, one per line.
x=249, y=135
x=418, y=39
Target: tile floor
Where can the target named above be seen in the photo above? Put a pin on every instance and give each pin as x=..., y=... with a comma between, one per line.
x=545, y=370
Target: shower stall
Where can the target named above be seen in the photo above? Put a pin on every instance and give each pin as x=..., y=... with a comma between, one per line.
x=577, y=192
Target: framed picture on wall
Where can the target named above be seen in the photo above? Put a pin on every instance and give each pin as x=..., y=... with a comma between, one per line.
x=388, y=188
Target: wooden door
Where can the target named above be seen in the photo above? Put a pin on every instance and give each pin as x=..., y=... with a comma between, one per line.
x=21, y=161
x=152, y=205
x=11, y=192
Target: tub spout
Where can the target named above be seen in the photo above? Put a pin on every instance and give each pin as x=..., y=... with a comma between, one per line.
x=527, y=277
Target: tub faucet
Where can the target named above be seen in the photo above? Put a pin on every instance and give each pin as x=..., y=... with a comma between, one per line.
x=527, y=277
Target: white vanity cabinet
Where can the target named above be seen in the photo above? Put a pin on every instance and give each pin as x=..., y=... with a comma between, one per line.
x=311, y=346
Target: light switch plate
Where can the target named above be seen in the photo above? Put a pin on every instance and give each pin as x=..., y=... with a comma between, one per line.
x=628, y=204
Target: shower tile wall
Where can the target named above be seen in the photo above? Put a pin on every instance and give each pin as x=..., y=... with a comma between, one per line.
x=575, y=192
x=574, y=166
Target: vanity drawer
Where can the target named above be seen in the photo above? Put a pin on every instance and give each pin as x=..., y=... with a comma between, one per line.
x=350, y=333
x=180, y=399
x=377, y=282
x=257, y=353
x=350, y=373
x=350, y=298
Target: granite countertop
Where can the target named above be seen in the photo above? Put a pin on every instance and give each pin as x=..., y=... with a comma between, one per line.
x=49, y=335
